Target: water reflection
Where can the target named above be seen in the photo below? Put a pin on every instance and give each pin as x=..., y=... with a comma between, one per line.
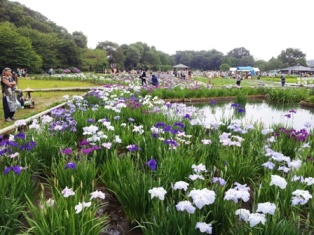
x=260, y=112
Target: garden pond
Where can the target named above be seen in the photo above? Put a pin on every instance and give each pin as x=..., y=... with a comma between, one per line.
x=257, y=112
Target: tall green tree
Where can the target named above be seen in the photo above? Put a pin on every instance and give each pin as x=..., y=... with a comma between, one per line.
x=45, y=45
x=274, y=63
x=261, y=64
x=231, y=61
x=69, y=55
x=94, y=60
x=151, y=60
x=133, y=56
x=109, y=47
x=80, y=39
x=239, y=52
x=224, y=67
x=291, y=57
x=215, y=59
x=16, y=50
x=118, y=58
x=242, y=57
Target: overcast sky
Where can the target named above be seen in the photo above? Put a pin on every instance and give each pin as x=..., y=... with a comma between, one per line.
x=264, y=27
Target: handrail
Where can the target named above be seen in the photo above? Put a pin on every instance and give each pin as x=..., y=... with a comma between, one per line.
x=11, y=128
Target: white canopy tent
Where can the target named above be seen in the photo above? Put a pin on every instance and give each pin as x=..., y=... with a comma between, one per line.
x=181, y=66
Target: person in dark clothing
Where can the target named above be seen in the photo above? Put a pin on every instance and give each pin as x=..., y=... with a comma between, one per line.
x=155, y=80
x=283, y=81
x=143, y=77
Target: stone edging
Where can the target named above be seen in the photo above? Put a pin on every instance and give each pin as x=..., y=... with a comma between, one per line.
x=307, y=104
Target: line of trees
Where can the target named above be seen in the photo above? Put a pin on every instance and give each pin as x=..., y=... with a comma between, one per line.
x=29, y=39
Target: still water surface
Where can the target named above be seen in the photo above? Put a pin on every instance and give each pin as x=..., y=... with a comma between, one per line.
x=260, y=112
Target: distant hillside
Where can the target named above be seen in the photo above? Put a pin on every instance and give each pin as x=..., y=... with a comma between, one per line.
x=21, y=16
x=37, y=38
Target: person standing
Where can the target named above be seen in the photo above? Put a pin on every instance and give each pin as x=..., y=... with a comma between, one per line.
x=15, y=78
x=238, y=79
x=283, y=80
x=19, y=72
x=143, y=77
x=8, y=98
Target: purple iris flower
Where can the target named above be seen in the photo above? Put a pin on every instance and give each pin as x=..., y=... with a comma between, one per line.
x=131, y=119
x=90, y=120
x=187, y=116
x=88, y=150
x=66, y=151
x=241, y=110
x=70, y=165
x=235, y=105
x=174, y=132
x=20, y=135
x=212, y=102
x=5, y=150
x=292, y=111
x=133, y=147
x=83, y=142
x=179, y=124
x=288, y=115
x=160, y=124
x=167, y=128
x=91, y=149
x=169, y=105
x=221, y=181
x=6, y=170
x=12, y=143
x=155, y=135
x=15, y=169
x=171, y=142
x=28, y=146
x=152, y=163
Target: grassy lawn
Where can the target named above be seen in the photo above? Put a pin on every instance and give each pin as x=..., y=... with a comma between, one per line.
x=24, y=83
x=246, y=82
x=43, y=100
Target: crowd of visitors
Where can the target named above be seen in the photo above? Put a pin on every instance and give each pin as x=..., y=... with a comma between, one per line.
x=21, y=72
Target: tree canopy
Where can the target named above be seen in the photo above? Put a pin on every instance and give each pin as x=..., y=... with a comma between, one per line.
x=291, y=57
x=16, y=50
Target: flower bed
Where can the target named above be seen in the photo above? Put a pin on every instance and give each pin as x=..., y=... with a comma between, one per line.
x=168, y=175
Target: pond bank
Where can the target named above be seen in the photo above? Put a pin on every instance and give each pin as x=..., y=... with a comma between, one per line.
x=207, y=99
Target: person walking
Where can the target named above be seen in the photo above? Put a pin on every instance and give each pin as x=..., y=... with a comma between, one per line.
x=8, y=98
x=283, y=80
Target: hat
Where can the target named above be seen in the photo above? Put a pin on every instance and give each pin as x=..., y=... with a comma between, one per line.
x=5, y=69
